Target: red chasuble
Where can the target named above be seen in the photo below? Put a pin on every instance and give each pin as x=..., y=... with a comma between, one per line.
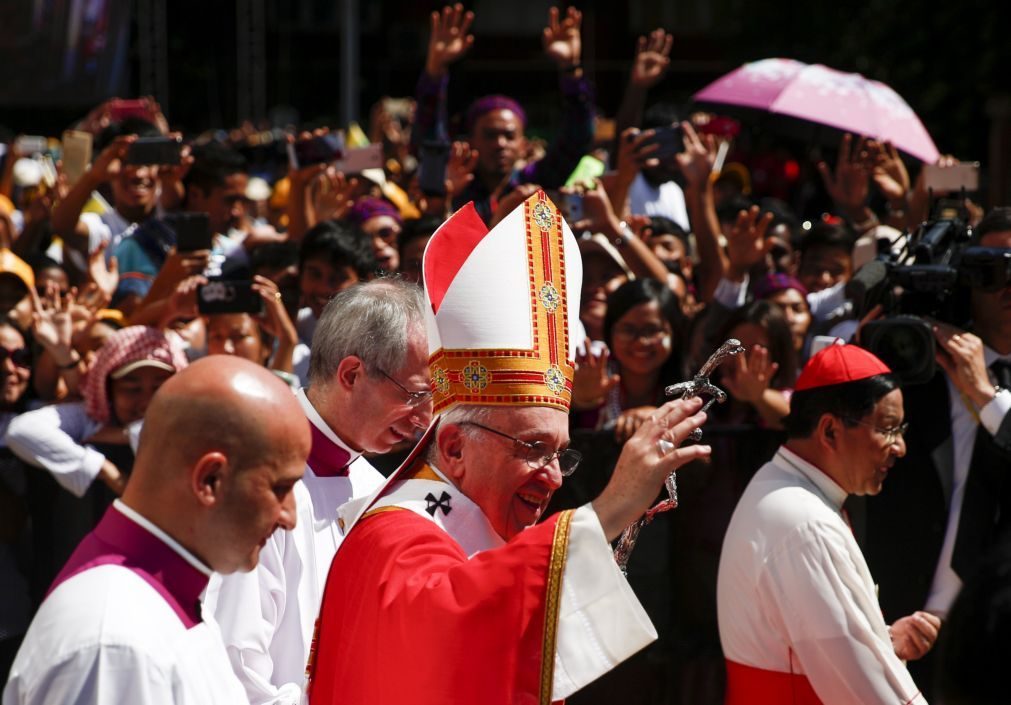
x=408, y=619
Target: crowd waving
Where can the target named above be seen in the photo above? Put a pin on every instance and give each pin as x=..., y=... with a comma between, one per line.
x=141, y=267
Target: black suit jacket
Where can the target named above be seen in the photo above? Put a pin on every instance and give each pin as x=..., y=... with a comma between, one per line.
x=901, y=530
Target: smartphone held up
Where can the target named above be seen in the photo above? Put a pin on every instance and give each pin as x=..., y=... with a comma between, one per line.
x=155, y=150
x=229, y=296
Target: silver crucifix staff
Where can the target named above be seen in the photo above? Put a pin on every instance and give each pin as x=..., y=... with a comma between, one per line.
x=698, y=386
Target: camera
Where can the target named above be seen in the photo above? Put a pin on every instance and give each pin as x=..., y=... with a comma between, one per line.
x=929, y=279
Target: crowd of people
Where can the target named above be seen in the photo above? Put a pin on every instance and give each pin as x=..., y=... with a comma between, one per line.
x=158, y=301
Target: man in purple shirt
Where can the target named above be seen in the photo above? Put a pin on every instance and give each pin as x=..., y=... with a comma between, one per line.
x=496, y=124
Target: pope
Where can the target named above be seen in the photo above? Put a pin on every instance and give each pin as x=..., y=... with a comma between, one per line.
x=450, y=585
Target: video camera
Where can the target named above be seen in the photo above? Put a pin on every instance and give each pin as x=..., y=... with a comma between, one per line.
x=929, y=278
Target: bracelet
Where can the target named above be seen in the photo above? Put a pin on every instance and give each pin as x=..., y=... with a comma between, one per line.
x=72, y=364
x=626, y=235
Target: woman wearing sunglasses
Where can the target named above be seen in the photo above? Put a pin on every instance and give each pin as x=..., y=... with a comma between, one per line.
x=15, y=604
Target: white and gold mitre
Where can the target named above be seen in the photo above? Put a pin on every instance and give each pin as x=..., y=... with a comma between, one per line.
x=499, y=307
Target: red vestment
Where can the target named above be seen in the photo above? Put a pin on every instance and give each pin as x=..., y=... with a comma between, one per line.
x=756, y=686
x=408, y=619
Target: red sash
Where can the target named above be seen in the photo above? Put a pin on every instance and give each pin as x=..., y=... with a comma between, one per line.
x=747, y=685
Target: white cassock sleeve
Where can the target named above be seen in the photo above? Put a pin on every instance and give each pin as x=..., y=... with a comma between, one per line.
x=247, y=608
x=52, y=438
x=833, y=620
x=99, y=675
x=600, y=622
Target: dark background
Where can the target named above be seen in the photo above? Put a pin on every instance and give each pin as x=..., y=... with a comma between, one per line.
x=950, y=61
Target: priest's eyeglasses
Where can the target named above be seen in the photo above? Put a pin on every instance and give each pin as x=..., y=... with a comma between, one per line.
x=536, y=453
x=891, y=435
x=414, y=399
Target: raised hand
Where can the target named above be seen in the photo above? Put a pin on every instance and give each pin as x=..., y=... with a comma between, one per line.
x=592, y=380
x=275, y=319
x=750, y=375
x=697, y=160
x=333, y=196
x=507, y=203
x=848, y=185
x=110, y=161
x=183, y=301
x=171, y=177
x=746, y=244
x=651, y=59
x=889, y=172
x=561, y=38
x=642, y=467
x=635, y=151
x=384, y=127
x=87, y=302
x=103, y=274
x=629, y=421
x=449, y=40
x=598, y=212
x=52, y=323
x=960, y=355
x=460, y=168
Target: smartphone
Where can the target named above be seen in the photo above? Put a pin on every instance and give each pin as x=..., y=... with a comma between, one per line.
x=573, y=207
x=77, y=147
x=432, y=169
x=193, y=230
x=317, y=150
x=669, y=141
x=155, y=150
x=356, y=161
x=586, y=171
x=120, y=109
x=951, y=178
x=27, y=145
x=228, y=296
x=48, y=167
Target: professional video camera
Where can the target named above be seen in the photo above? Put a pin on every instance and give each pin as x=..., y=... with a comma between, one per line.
x=929, y=278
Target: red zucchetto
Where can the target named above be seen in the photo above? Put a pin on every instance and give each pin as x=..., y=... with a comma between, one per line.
x=838, y=364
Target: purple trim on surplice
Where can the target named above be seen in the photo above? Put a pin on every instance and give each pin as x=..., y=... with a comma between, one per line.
x=327, y=459
x=118, y=540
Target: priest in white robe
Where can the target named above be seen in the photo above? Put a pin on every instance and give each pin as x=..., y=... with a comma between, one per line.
x=368, y=391
x=798, y=611
x=220, y=453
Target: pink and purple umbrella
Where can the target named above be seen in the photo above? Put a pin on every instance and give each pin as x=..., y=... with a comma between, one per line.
x=814, y=95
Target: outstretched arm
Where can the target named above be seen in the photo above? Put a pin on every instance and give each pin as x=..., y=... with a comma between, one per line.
x=448, y=42
x=652, y=59
x=562, y=41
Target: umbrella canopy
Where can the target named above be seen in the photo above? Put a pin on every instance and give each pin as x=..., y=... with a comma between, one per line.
x=819, y=96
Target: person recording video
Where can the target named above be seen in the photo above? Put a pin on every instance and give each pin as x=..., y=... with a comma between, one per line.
x=953, y=482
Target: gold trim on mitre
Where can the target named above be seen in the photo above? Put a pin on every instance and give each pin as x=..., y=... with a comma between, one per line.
x=541, y=375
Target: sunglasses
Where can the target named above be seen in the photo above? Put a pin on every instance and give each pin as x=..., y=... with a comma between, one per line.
x=21, y=357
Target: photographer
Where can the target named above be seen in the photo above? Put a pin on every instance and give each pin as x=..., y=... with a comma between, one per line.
x=948, y=499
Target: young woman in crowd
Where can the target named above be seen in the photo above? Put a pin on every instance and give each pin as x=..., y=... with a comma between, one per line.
x=15, y=603
x=621, y=387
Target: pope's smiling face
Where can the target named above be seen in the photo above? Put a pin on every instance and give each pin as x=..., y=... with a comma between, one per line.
x=495, y=474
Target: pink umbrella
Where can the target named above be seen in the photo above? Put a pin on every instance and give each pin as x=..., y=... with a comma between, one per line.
x=813, y=93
